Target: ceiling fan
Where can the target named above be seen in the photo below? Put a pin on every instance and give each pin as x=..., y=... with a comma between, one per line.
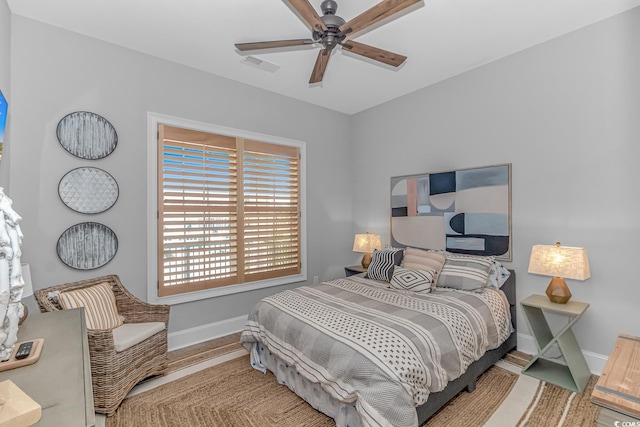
x=331, y=30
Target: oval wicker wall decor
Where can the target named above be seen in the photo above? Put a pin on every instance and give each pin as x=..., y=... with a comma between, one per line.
x=87, y=246
x=87, y=135
x=88, y=190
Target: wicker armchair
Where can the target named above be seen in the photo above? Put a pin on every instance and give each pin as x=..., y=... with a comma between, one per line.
x=114, y=373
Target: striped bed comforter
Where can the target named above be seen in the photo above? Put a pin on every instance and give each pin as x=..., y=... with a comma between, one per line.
x=381, y=349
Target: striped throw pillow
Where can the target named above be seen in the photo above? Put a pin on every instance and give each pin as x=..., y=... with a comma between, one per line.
x=99, y=304
x=465, y=272
x=412, y=280
x=382, y=263
x=420, y=259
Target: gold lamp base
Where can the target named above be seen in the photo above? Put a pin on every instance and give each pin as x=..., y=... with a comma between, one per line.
x=558, y=291
x=366, y=260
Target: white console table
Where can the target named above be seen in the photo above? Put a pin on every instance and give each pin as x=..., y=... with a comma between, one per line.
x=61, y=380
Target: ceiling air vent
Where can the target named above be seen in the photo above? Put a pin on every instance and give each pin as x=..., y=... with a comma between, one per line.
x=260, y=63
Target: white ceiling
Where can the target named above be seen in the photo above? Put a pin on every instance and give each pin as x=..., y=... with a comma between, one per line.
x=442, y=38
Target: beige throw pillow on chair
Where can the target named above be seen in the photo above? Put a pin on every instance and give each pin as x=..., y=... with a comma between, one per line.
x=99, y=302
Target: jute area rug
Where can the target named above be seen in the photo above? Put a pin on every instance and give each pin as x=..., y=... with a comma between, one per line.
x=233, y=394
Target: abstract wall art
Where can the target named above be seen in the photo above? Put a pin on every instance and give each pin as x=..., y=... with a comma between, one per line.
x=465, y=211
x=4, y=110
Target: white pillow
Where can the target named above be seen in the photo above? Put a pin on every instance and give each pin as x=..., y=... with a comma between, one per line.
x=498, y=275
x=412, y=280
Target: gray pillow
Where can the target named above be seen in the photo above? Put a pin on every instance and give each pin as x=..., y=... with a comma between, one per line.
x=465, y=272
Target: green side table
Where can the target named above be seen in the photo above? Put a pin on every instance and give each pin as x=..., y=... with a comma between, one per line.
x=575, y=374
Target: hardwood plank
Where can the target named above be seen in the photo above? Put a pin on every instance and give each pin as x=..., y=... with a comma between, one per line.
x=619, y=385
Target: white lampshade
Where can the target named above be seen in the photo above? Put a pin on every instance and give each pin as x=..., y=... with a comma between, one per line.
x=367, y=243
x=559, y=261
x=27, y=287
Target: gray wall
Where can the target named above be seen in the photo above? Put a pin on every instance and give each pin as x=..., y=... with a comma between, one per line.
x=56, y=72
x=5, y=82
x=566, y=114
x=5, y=44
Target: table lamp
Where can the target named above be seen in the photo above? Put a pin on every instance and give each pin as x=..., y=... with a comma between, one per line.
x=366, y=243
x=559, y=262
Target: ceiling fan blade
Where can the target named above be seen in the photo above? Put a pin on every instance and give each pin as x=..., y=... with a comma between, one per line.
x=375, y=53
x=321, y=65
x=307, y=14
x=273, y=44
x=382, y=10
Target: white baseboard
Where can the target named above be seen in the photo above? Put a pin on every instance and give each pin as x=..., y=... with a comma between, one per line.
x=207, y=332
x=595, y=361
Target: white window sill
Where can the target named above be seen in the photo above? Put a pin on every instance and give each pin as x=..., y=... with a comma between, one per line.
x=152, y=293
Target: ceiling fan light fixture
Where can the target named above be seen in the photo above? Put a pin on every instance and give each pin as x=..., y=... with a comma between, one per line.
x=330, y=30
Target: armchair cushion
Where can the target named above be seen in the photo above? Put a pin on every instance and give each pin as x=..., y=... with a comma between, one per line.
x=99, y=302
x=130, y=334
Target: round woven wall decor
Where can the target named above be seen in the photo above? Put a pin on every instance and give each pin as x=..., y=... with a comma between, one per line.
x=87, y=135
x=87, y=246
x=88, y=190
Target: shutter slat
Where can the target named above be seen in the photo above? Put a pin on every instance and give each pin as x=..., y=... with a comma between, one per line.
x=208, y=193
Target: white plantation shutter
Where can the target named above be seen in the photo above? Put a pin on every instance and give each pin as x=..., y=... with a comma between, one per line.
x=228, y=210
x=271, y=210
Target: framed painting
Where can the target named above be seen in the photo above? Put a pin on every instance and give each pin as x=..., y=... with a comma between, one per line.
x=464, y=211
x=4, y=109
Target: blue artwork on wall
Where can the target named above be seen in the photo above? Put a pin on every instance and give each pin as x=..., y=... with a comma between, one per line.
x=4, y=107
x=464, y=211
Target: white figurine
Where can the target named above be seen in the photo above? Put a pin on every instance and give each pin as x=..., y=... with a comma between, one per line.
x=11, y=282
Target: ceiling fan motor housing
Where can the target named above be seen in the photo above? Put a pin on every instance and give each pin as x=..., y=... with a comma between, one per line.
x=329, y=7
x=330, y=38
x=331, y=30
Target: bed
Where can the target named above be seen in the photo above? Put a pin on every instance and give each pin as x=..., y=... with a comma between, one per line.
x=369, y=354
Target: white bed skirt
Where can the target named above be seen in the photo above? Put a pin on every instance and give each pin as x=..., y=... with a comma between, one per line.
x=344, y=414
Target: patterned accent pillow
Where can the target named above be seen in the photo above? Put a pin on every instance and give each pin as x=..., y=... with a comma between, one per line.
x=412, y=280
x=420, y=259
x=465, y=272
x=498, y=275
x=382, y=263
x=99, y=304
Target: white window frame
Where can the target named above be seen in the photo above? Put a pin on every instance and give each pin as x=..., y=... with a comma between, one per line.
x=153, y=120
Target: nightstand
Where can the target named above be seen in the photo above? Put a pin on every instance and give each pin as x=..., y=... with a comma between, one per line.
x=354, y=269
x=575, y=374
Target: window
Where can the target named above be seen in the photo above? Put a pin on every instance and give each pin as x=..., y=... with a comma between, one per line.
x=228, y=211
